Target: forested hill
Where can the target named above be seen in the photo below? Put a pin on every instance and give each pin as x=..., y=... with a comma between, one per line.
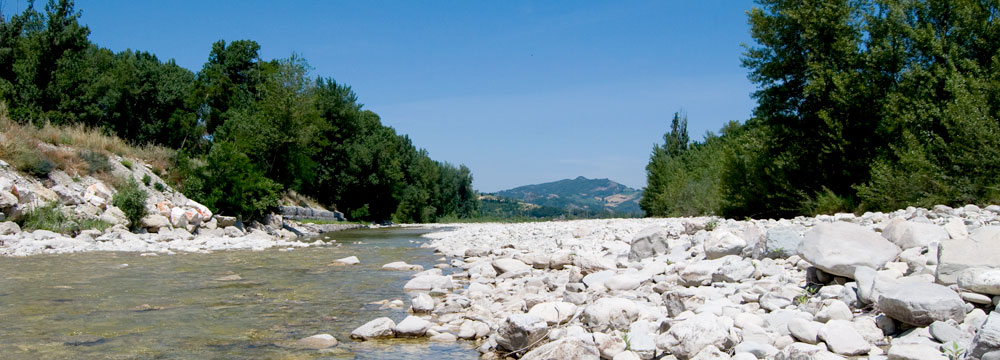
x=241, y=131
x=595, y=195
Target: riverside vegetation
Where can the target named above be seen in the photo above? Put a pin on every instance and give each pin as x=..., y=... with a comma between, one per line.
x=232, y=136
x=861, y=106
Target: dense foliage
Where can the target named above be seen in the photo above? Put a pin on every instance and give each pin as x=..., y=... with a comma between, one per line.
x=246, y=129
x=131, y=199
x=861, y=105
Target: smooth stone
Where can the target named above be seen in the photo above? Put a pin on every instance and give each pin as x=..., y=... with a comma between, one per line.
x=805, y=330
x=841, y=337
x=987, y=339
x=319, y=341
x=983, y=281
x=443, y=337
x=350, y=260
x=921, y=304
x=569, y=347
x=554, y=312
x=944, y=332
x=649, y=242
x=402, y=266
x=375, y=329
x=412, y=326
x=915, y=352
x=839, y=248
x=761, y=351
x=688, y=337
x=429, y=282
x=835, y=310
x=510, y=266
x=422, y=303
x=519, y=331
x=980, y=250
x=721, y=243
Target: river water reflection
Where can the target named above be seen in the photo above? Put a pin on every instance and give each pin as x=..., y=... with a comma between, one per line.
x=189, y=306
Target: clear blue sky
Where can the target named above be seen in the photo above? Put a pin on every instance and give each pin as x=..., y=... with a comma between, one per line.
x=522, y=92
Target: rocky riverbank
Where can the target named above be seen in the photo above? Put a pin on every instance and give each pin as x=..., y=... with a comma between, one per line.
x=912, y=284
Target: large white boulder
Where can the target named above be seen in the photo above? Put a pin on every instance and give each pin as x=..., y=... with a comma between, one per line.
x=422, y=303
x=838, y=248
x=981, y=249
x=987, y=339
x=842, y=338
x=910, y=234
x=721, y=242
x=402, y=266
x=782, y=241
x=921, y=304
x=514, y=266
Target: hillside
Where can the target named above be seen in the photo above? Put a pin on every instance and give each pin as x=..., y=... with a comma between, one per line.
x=594, y=195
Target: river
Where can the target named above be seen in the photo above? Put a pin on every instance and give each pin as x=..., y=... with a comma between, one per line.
x=112, y=305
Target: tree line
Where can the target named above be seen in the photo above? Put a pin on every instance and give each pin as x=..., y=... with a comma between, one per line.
x=862, y=105
x=245, y=129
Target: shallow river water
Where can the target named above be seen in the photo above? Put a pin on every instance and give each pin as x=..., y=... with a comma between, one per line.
x=93, y=306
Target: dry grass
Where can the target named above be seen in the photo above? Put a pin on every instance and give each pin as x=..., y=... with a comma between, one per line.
x=22, y=139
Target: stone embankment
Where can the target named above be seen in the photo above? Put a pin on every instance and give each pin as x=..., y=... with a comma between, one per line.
x=174, y=222
x=912, y=284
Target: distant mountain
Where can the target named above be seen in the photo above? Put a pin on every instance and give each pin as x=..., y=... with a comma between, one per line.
x=590, y=195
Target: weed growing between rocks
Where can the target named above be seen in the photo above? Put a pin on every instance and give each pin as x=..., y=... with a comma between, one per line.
x=131, y=199
x=51, y=218
x=96, y=161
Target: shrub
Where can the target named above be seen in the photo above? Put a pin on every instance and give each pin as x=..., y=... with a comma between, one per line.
x=127, y=163
x=34, y=163
x=146, y=179
x=96, y=162
x=48, y=217
x=96, y=224
x=131, y=199
x=827, y=202
x=159, y=187
x=231, y=183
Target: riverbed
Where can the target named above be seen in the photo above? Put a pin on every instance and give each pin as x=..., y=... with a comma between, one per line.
x=227, y=304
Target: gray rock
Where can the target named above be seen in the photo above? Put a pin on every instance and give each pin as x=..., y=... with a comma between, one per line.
x=782, y=241
x=649, y=242
x=987, y=339
x=350, y=260
x=721, y=242
x=609, y=346
x=980, y=280
x=734, y=268
x=520, y=331
x=981, y=249
x=569, y=347
x=772, y=301
x=841, y=337
x=380, y=328
x=402, y=266
x=839, y=248
x=473, y=330
x=915, y=352
x=921, y=304
x=412, y=326
x=944, y=332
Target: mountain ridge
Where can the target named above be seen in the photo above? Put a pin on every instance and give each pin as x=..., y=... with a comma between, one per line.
x=580, y=193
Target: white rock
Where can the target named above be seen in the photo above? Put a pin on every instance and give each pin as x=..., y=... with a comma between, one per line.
x=628, y=281
x=510, y=266
x=429, y=282
x=412, y=326
x=688, y=337
x=318, y=341
x=834, y=310
x=422, y=303
x=554, y=312
x=987, y=339
x=981, y=249
x=611, y=313
x=761, y=351
x=839, y=248
x=402, y=266
x=909, y=234
x=721, y=243
x=569, y=347
x=915, y=352
x=375, y=329
x=350, y=260
x=841, y=337
x=980, y=280
x=805, y=330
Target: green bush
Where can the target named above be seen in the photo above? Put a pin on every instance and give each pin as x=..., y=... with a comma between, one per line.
x=159, y=187
x=827, y=202
x=48, y=217
x=96, y=162
x=146, y=179
x=230, y=183
x=95, y=224
x=127, y=163
x=131, y=199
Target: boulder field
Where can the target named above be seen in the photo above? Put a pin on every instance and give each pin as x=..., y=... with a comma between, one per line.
x=911, y=284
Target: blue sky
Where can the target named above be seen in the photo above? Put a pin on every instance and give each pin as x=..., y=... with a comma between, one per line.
x=522, y=92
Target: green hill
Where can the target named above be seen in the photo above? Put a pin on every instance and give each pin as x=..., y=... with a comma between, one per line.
x=580, y=194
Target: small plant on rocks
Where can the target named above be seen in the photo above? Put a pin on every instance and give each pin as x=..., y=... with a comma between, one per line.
x=954, y=351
